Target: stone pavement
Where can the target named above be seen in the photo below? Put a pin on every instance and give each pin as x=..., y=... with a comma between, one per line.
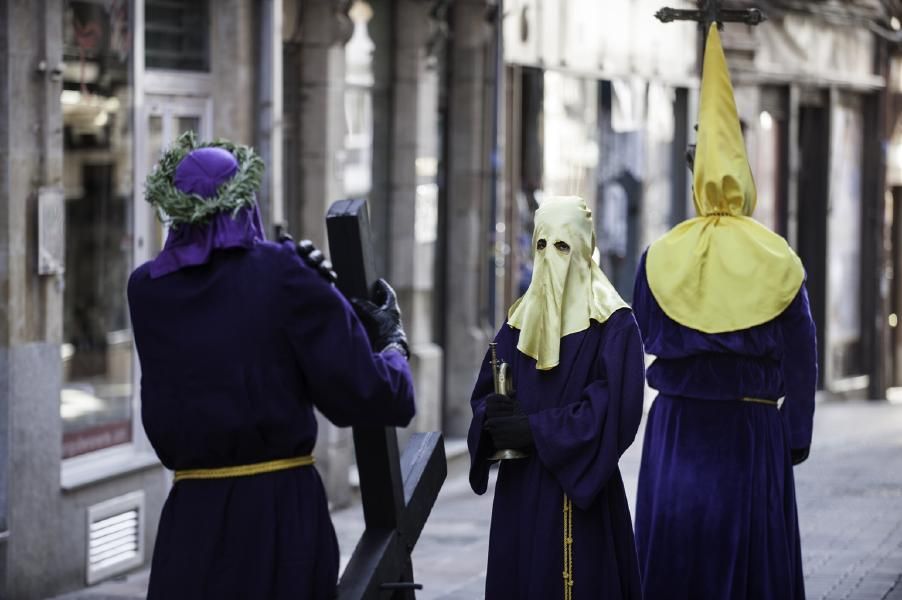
x=850, y=505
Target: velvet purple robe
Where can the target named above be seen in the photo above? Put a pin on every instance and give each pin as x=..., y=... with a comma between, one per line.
x=716, y=509
x=235, y=353
x=584, y=414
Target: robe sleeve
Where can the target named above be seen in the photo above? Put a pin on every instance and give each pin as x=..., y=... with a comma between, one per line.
x=478, y=441
x=641, y=304
x=799, y=365
x=581, y=443
x=348, y=382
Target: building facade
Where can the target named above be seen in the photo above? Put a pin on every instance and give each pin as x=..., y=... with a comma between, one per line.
x=602, y=102
x=812, y=91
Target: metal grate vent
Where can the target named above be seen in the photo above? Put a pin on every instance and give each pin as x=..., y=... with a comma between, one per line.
x=115, y=536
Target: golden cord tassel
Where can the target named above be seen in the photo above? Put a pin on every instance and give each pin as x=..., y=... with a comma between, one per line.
x=568, y=548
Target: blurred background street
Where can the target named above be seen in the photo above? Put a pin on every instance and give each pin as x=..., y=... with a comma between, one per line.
x=453, y=119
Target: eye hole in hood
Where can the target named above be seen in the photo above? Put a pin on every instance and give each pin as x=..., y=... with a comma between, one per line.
x=562, y=246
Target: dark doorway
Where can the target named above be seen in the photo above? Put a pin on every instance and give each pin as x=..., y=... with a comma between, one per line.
x=896, y=289
x=814, y=137
x=772, y=174
x=620, y=191
x=680, y=190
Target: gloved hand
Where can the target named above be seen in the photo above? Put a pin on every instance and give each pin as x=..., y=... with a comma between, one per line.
x=499, y=405
x=799, y=455
x=510, y=433
x=381, y=317
x=314, y=258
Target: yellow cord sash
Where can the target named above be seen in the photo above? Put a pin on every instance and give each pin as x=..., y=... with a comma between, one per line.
x=568, y=548
x=245, y=470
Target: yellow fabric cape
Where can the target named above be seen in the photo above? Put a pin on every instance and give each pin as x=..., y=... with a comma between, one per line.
x=722, y=271
x=568, y=288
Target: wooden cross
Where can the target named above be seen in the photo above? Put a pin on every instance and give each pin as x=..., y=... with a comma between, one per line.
x=398, y=492
x=709, y=11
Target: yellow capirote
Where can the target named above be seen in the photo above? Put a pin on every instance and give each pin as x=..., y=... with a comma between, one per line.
x=722, y=271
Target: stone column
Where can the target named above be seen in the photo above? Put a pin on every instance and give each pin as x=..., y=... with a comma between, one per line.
x=268, y=110
x=314, y=111
x=31, y=322
x=314, y=63
x=471, y=84
x=404, y=196
x=232, y=67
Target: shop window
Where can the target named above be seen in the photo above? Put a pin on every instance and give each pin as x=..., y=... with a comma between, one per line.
x=844, y=329
x=97, y=353
x=176, y=35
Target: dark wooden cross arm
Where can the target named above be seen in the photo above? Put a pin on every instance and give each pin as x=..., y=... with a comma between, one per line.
x=398, y=492
x=749, y=16
x=709, y=11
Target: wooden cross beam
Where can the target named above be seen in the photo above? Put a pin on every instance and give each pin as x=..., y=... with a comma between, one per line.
x=710, y=11
x=397, y=492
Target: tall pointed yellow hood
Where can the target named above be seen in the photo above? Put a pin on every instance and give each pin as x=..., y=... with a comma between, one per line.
x=722, y=271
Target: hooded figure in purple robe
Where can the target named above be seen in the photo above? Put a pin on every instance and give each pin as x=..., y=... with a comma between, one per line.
x=239, y=339
x=561, y=525
x=722, y=305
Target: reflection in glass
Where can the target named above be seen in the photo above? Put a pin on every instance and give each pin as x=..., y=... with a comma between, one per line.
x=177, y=35
x=96, y=402
x=184, y=124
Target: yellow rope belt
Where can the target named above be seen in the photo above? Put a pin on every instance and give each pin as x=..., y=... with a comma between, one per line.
x=245, y=470
x=568, y=548
x=761, y=401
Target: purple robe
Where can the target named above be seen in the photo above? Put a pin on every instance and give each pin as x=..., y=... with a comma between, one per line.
x=716, y=509
x=235, y=353
x=583, y=414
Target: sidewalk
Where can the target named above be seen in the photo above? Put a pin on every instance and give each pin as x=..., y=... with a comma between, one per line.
x=850, y=505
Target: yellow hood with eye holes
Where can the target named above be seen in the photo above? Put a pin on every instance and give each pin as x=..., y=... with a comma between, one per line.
x=568, y=288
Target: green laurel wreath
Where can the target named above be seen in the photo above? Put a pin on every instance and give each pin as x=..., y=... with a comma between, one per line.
x=175, y=207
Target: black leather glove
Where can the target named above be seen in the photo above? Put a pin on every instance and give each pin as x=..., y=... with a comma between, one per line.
x=510, y=433
x=498, y=405
x=381, y=317
x=799, y=455
x=314, y=258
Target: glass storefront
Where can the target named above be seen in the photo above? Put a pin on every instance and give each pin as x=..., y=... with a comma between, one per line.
x=844, y=234
x=97, y=353
x=176, y=35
